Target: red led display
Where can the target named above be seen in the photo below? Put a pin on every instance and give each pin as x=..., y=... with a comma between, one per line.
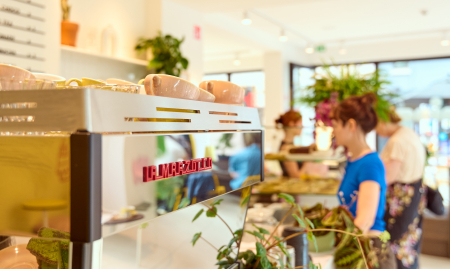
x=167, y=170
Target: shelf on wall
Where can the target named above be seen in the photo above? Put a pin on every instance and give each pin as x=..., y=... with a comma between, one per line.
x=98, y=55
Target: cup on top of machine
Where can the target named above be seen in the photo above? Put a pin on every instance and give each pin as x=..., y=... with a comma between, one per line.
x=224, y=91
x=175, y=87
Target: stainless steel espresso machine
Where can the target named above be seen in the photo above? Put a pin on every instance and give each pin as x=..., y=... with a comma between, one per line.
x=91, y=178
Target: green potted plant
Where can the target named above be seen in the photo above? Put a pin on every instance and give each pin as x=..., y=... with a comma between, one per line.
x=166, y=54
x=330, y=88
x=325, y=239
x=353, y=249
x=69, y=30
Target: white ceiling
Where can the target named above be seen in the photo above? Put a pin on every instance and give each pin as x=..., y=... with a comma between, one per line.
x=324, y=21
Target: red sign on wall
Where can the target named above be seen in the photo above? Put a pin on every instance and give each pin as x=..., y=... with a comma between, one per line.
x=197, y=32
x=167, y=170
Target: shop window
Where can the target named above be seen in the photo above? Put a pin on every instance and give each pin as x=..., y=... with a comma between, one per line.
x=254, y=85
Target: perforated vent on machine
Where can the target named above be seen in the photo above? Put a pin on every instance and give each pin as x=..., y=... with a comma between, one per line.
x=96, y=110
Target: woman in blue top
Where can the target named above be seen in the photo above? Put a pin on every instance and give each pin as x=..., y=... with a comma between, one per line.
x=363, y=188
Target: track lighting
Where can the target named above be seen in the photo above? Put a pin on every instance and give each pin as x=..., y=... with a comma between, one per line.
x=246, y=20
x=283, y=37
x=445, y=40
x=342, y=50
x=236, y=60
x=309, y=49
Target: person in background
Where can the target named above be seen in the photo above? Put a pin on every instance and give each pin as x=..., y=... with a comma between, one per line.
x=247, y=162
x=291, y=122
x=404, y=158
x=363, y=188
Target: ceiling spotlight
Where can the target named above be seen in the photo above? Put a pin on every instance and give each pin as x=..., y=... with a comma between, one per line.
x=309, y=49
x=445, y=40
x=342, y=50
x=283, y=37
x=246, y=20
x=236, y=60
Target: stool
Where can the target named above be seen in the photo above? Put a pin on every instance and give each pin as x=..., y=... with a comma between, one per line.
x=44, y=206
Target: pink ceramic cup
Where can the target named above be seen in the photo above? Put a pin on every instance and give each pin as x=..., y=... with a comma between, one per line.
x=170, y=86
x=224, y=91
x=206, y=96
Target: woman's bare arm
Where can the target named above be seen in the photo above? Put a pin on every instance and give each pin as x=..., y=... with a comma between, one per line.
x=367, y=205
x=292, y=169
x=392, y=168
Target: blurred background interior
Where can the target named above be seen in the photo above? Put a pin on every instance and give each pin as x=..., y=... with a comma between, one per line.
x=273, y=49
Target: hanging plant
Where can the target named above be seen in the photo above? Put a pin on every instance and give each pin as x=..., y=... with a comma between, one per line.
x=167, y=57
x=329, y=89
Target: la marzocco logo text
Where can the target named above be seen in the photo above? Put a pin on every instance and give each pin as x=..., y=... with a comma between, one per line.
x=167, y=170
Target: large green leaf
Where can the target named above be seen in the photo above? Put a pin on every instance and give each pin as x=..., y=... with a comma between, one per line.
x=288, y=198
x=234, y=239
x=238, y=233
x=199, y=213
x=195, y=238
x=212, y=212
x=310, y=223
x=260, y=250
x=265, y=263
x=184, y=63
x=217, y=202
x=301, y=211
x=300, y=221
x=256, y=234
x=261, y=230
x=245, y=200
x=312, y=238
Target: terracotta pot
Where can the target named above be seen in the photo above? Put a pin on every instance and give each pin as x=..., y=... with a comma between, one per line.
x=69, y=32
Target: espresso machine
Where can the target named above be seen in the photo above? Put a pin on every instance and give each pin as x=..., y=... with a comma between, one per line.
x=92, y=178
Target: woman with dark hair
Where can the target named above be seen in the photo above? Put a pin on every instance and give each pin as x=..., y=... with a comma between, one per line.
x=291, y=122
x=363, y=188
x=404, y=160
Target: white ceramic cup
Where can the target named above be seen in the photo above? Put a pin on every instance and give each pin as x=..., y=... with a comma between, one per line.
x=118, y=81
x=60, y=81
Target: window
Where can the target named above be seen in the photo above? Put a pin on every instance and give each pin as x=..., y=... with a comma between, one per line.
x=253, y=83
x=222, y=76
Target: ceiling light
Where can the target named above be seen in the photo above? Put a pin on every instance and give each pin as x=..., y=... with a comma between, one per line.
x=236, y=60
x=309, y=49
x=246, y=20
x=283, y=37
x=445, y=40
x=342, y=50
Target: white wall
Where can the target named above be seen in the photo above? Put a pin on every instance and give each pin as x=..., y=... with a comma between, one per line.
x=127, y=17
x=179, y=20
x=273, y=70
x=426, y=47
x=131, y=20
x=225, y=65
